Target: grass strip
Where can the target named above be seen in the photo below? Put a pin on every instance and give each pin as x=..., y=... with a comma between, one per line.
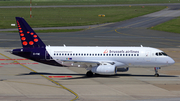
x=79, y=2
x=169, y=26
x=78, y=16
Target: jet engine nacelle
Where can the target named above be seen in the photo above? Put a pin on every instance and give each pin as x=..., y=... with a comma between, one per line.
x=104, y=69
x=123, y=69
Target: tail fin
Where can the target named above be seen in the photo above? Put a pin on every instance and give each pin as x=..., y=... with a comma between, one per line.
x=29, y=38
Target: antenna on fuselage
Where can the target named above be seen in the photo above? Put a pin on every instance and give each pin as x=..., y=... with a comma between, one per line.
x=141, y=45
x=64, y=45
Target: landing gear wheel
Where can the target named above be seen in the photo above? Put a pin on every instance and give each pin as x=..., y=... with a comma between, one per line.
x=156, y=71
x=156, y=75
x=89, y=74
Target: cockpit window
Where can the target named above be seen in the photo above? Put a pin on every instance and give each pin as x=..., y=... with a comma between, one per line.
x=161, y=54
x=164, y=54
x=157, y=54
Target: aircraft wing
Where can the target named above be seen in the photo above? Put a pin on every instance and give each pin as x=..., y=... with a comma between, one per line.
x=102, y=62
x=76, y=61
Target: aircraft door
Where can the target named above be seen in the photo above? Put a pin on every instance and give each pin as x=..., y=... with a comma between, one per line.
x=148, y=56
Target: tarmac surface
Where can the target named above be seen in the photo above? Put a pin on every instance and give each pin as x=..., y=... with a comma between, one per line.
x=27, y=80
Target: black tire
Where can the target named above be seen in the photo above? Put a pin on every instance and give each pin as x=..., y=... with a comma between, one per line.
x=89, y=74
x=156, y=75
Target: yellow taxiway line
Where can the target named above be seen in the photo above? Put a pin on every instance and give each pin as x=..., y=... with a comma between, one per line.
x=76, y=95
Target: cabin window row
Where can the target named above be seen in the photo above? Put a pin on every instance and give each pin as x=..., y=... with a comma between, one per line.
x=81, y=54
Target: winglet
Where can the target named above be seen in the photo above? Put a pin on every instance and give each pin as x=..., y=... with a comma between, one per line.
x=29, y=38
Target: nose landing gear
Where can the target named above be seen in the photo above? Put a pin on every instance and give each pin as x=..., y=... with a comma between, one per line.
x=156, y=71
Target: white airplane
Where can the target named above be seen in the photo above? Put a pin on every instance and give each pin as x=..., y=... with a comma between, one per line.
x=98, y=60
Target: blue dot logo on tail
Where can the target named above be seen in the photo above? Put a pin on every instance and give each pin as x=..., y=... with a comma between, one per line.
x=29, y=38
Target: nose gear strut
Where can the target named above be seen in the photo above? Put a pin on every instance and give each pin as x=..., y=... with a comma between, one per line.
x=156, y=71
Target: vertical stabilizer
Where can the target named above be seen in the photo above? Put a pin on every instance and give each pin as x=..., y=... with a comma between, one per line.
x=28, y=37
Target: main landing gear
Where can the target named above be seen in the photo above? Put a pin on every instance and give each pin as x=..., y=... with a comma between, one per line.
x=89, y=74
x=156, y=71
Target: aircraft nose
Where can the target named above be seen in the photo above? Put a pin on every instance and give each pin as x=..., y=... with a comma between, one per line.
x=170, y=61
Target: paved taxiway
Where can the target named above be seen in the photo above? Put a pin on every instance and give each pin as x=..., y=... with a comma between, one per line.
x=131, y=32
x=19, y=82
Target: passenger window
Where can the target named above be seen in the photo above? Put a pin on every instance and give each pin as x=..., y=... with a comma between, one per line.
x=131, y=54
x=117, y=54
x=134, y=54
x=84, y=54
x=112, y=54
x=109, y=54
x=104, y=54
x=137, y=54
x=62, y=54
